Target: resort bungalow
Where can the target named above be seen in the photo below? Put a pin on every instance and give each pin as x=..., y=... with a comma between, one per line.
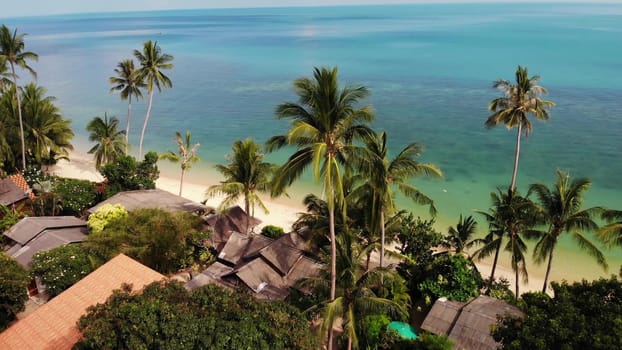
x=468, y=324
x=14, y=190
x=156, y=198
x=225, y=223
x=53, y=325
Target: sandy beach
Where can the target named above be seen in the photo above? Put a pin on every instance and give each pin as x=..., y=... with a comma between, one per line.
x=283, y=212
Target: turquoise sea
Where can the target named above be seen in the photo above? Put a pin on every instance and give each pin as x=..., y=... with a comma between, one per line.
x=429, y=68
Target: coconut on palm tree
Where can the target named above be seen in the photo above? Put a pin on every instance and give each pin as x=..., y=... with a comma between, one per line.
x=47, y=133
x=384, y=175
x=246, y=176
x=561, y=208
x=185, y=156
x=12, y=51
x=323, y=123
x=128, y=84
x=152, y=62
x=110, y=141
x=519, y=100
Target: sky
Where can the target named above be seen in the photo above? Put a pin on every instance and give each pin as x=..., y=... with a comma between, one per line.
x=51, y=7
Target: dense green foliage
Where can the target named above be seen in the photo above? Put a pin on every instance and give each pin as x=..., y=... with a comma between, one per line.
x=272, y=231
x=125, y=173
x=75, y=195
x=61, y=267
x=161, y=240
x=14, y=282
x=110, y=141
x=453, y=277
x=104, y=215
x=582, y=315
x=166, y=316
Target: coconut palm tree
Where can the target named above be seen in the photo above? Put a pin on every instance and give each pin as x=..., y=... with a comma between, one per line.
x=8, y=127
x=561, y=209
x=518, y=102
x=110, y=140
x=324, y=121
x=5, y=76
x=359, y=292
x=186, y=154
x=127, y=83
x=461, y=237
x=611, y=234
x=47, y=133
x=246, y=175
x=12, y=51
x=511, y=218
x=152, y=62
x=384, y=175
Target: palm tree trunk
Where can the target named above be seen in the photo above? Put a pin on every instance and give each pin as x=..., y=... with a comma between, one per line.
x=548, y=269
x=127, y=126
x=517, y=154
x=142, y=133
x=382, y=233
x=494, y=267
x=349, y=343
x=516, y=283
x=333, y=258
x=19, y=113
x=181, y=181
x=248, y=214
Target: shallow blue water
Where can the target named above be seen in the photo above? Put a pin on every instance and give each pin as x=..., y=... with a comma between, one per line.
x=429, y=68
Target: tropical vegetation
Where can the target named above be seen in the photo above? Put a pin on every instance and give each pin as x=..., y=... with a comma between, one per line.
x=59, y=268
x=110, y=143
x=14, y=282
x=185, y=156
x=128, y=84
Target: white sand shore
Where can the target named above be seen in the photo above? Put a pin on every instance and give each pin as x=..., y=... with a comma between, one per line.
x=282, y=213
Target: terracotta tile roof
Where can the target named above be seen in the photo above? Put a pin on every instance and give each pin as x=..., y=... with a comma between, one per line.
x=19, y=180
x=53, y=325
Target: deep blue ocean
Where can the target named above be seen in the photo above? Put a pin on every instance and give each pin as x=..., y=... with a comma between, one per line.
x=429, y=69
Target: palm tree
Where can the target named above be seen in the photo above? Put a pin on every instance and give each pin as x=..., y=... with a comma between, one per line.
x=611, y=234
x=5, y=76
x=518, y=101
x=110, y=140
x=186, y=155
x=128, y=84
x=385, y=174
x=48, y=134
x=12, y=51
x=7, y=127
x=359, y=292
x=510, y=218
x=324, y=121
x=561, y=210
x=246, y=175
x=460, y=238
x=152, y=62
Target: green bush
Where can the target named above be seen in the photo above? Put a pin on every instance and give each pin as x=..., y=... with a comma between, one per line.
x=14, y=282
x=127, y=174
x=76, y=195
x=106, y=214
x=61, y=267
x=272, y=231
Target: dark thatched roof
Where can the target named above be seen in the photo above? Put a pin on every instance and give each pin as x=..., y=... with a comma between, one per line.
x=211, y=275
x=468, y=324
x=156, y=198
x=223, y=224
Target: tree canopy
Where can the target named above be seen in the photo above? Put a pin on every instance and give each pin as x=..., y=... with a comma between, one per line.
x=13, y=286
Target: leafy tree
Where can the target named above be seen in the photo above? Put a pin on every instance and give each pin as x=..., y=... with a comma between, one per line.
x=323, y=123
x=12, y=51
x=272, y=231
x=110, y=144
x=453, y=277
x=5, y=76
x=460, y=238
x=166, y=316
x=582, y=315
x=106, y=214
x=11, y=216
x=186, y=155
x=45, y=202
x=518, y=102
x=127, y=174
x=76, y=195
x=385, y=175
x=13, y=289
x=161, y=240
x=8, y=137
x=61, y=267
x=246, y=176
x=152, y=62
x=561, y=209
x=128, y=84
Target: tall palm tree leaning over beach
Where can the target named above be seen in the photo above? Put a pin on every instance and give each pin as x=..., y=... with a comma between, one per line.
x=128, y=84
x=384, y=174
x=110, y=141
x=245, y=175
x=152, y=62
x=12, y=50
x=561, y=209
x=518, y=101
x=323, y=124
x=186, y=154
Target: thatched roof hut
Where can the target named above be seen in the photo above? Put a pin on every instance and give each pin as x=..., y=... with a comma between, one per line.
x=156, y=198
